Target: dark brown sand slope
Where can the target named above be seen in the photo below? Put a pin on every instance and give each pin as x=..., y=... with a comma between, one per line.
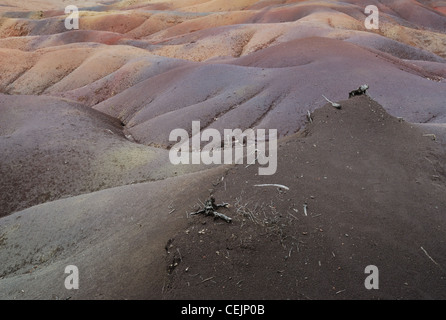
x=374, y=189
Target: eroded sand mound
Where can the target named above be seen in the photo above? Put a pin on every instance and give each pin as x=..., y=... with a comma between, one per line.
x=372, y=187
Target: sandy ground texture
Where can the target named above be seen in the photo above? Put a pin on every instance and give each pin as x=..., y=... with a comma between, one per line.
x=85, y=175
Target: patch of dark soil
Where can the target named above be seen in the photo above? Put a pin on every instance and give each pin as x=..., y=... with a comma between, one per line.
x=372, y=186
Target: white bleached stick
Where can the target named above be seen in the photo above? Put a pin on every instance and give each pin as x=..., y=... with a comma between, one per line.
x=427, y=254
x=334, y=104
x=272, y=185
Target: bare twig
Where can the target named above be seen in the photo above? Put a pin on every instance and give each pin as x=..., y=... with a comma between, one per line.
x=272, y=185
x=170, y=207
x=210, y=209
x=207, y=279
x=433, y=136
x=333, y=104
x=427, y=254
x=293, y=216
x=309, y=116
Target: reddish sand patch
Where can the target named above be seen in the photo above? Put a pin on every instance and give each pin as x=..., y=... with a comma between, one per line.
x=441, y=9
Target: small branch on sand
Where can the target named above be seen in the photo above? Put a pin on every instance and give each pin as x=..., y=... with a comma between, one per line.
x=433, y=136
x=207, y=279
x=309, y=116
x=170, y=207
x=427, y=254
x=333, y=104
x=210, y=208
x=272, y=185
